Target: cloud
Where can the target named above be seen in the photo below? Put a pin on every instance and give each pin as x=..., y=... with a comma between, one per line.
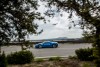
x=60, y=29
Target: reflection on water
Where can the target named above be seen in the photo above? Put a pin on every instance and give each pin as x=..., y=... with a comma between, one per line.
x=63, y=49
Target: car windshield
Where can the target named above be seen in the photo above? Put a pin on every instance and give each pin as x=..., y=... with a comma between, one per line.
x=46, y=42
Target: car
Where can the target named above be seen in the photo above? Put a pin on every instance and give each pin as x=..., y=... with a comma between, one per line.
x=47, y=44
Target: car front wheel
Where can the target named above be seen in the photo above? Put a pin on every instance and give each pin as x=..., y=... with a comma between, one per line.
x=54, y=46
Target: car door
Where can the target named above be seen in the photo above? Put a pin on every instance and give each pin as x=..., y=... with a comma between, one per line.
x=46, y=44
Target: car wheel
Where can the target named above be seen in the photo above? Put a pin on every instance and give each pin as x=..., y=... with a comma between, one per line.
x=54, y=46
x=40, y=46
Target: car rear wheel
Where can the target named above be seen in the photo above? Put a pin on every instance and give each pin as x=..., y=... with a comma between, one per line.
x=40, y=46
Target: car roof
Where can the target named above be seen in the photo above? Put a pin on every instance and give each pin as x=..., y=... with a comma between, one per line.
x=46, y=41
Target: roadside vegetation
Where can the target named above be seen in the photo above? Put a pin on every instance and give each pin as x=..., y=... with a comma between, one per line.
x=20, y=57
x=3, y=60
x=54, y=59
x=84, y=58
x=39, y=60
x=85, y=54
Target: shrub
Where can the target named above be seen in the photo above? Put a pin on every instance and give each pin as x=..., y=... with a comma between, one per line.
x=72, y=57
x=97, y=62
x=20, y=57
x=3, y=60
x=55, y=59
x=86, y=65
x=85, y=54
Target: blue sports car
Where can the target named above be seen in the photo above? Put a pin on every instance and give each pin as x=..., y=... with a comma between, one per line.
x=47, y=44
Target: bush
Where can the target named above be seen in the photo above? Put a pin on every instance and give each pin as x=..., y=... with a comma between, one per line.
x=55, y=59
x=97, y=62
x=85, y=54
x=72, y=57
x=86, y=65
x=3, y=60
x=20, y=57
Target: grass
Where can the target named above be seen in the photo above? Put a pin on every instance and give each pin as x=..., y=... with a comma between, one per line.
x=39, y=60
x=54, y=59
x=72, y=57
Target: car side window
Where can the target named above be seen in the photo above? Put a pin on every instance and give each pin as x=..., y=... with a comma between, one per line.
x=46, y=43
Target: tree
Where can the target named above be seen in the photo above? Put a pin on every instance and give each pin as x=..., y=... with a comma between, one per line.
x=16, y=19
x=89, y=13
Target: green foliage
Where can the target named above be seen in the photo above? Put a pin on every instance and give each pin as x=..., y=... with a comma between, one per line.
x=20, y=57
x=72, y=57
x=17, y=19
x=88, y=36
x=97, y=61
x=55, y=59
x=86, y=65
x=3, y=60
x=39, y=60
x=85, y=54
x=88, y=12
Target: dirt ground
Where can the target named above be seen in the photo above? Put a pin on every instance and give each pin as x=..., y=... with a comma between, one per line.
x=62, y=63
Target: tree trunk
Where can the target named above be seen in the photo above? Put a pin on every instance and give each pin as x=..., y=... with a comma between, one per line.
x=0, y=49
x=97, y=46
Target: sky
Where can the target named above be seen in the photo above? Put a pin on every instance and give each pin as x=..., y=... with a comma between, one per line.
x=61, y=29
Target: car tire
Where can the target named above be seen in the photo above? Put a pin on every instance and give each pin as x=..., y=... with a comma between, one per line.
x=40, y=46
x=54, y=46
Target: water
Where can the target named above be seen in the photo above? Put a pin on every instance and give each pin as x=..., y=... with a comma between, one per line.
x=63, y=50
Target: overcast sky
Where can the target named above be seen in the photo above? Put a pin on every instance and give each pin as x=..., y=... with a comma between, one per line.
x=61, y=29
